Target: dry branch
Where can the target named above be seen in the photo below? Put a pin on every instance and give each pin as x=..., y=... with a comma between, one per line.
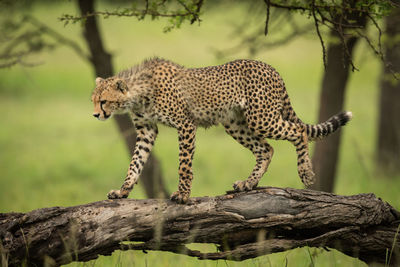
x=242, y=225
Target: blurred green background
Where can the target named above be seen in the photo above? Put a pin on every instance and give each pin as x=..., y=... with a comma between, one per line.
x=54, y=153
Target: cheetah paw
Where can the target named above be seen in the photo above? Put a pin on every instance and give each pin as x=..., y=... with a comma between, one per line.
x=240, y=186
x=180, y=197
x=116, y=194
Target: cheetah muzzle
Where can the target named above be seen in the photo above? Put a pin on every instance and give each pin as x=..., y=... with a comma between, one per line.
x=247, y=97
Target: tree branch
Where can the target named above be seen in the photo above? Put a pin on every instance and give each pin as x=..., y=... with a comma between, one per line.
x=133, y=12
x=347, y=18
x=59, y=37
x=32, y=41
x=199, y=4
x=242, y=225
x=332, y=7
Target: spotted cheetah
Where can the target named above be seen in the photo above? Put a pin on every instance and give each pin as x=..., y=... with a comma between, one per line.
x=247, y=97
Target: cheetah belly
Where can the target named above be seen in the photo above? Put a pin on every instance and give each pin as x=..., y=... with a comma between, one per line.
x=207, y=117
x=210, y=101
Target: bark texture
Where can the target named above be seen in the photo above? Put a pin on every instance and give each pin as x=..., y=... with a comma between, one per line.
x=242, y=225
x=102, y=64
x=388, y=145
x=333, y=90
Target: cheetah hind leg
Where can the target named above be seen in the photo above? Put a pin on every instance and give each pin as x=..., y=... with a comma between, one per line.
x=304, y=165
x=261, y=149
x=296, y=133
x=252, y=181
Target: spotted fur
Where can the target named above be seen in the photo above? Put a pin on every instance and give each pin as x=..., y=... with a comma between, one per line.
x=247, y=97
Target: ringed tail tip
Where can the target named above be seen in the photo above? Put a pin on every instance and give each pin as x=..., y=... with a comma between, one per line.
x=349, y=114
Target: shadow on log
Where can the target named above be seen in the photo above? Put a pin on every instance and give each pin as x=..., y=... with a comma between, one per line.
x=242, y=225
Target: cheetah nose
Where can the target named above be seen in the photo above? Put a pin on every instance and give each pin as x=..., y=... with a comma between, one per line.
x=96, y=115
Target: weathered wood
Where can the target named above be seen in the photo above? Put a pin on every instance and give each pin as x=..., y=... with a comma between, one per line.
x=243, y=225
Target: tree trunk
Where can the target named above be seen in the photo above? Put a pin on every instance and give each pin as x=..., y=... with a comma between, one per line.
x=388, y=145
x=242, y=225
x=101, y=60
x=334, y=83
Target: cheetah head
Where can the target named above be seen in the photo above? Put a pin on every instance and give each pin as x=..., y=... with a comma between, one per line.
x=110, y=96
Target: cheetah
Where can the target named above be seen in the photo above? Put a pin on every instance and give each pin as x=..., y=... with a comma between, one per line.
x=247, y=97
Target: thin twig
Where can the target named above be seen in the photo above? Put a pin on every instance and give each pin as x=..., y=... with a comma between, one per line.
x=252, y=40
x=319, y=34
x=194, y=14
x=325, y=7
x=146, y=9
x=124, y=14
x=379, y=34
x=346, y=51
x=267, y=2
x=335, y=23
x=371, y=45
x=388, y=65
x=185, y=7
x=198, y=8
x=289, y=37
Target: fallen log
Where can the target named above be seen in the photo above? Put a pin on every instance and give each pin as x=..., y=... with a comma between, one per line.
x=242, y=225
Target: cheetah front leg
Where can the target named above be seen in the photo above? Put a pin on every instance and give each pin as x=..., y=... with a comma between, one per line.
x=186, y=136
x=146, y=135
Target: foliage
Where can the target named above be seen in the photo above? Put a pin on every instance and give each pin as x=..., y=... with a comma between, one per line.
x=177, y=12
x=23, y=36
x=345, y=19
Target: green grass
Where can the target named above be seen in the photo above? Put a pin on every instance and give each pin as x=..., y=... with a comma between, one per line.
x=53, y=153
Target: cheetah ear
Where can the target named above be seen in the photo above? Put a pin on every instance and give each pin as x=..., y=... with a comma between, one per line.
x=99, y=80
x=121, y=86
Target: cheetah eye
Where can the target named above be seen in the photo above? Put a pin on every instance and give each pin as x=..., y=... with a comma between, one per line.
x=102, y=102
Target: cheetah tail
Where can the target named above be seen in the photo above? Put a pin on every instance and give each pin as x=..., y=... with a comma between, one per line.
x=323, y=129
